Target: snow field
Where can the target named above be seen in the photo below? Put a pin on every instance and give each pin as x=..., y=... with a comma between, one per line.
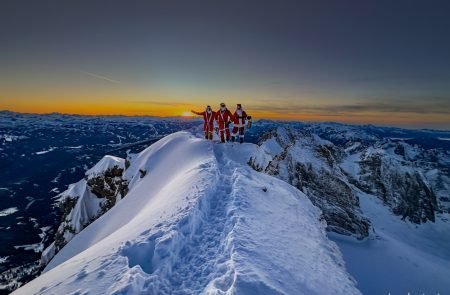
x=200, y=222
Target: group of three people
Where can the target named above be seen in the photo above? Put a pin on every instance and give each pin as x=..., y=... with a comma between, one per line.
x=224, y=117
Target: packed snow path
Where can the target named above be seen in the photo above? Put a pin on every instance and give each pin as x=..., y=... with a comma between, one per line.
x=204, y=251
x=201, y=221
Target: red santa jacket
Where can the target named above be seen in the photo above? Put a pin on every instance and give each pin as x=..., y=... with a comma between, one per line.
x=223, y=118
x=208, y=119
x=239, y=118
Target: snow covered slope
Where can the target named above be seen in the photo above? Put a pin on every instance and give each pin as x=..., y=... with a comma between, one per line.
x=200, y=220
x=401, y=189
x=402, y=257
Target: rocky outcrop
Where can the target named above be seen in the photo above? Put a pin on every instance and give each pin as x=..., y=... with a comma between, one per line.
x=398, y=183
x=85, y=201
x=311, y=164
x=108, y=186
x=406, y=156
x=413, y=182
x=339, y=203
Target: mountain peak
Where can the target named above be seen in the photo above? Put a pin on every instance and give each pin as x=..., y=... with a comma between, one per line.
x=200, y=221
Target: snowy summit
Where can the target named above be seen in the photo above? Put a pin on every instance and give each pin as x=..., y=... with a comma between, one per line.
x=195, y=218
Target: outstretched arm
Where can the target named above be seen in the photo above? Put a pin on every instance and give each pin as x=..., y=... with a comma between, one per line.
x=245, y=116
x=197, y=113
x=231, y=119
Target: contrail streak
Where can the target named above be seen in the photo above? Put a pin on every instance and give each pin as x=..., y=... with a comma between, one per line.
x=101, y=77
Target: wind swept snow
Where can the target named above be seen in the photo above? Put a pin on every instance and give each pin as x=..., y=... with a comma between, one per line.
x=200, y=221
x=104, y=164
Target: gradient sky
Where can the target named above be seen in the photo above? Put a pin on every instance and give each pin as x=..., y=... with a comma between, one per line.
x=383, y=62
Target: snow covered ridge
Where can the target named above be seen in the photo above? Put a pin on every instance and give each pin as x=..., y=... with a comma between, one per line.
x=197, y=219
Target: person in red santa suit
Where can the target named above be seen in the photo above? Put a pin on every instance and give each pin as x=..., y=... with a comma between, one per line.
x=208, y=121
x=239, y=119
x=223, y=118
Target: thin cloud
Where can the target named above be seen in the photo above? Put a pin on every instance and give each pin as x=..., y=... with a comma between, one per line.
x=101, y=77
x=417, y=105
x=162, y=103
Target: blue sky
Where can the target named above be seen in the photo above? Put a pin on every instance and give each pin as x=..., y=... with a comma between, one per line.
x=385, y=62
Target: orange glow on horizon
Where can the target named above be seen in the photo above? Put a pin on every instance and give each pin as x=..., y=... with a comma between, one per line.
x=121, y=107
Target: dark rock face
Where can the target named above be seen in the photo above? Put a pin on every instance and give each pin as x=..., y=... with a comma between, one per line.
x=142, y=172
x=322, y=182
x=108, y=186
x=406, y=158
x=66, y=206
x=339, y=203
x=405, y=192
x=418, y=202
x=400, y=150
x=413, y=182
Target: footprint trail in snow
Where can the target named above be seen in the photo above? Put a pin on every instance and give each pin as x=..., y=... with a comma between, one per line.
x=199, y=222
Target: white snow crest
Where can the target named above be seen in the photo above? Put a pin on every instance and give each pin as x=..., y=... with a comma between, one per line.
x=201, y=221
x=107, y=162
x=274, y=235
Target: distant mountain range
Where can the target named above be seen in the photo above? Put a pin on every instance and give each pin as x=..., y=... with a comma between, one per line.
x=353, y=174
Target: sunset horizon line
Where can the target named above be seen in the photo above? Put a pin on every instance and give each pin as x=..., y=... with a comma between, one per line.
x=385, y=125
